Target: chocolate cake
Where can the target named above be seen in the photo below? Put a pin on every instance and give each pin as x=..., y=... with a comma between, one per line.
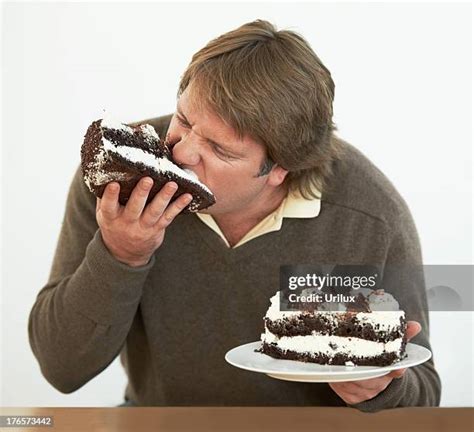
x=369, y=332
x=113, y=151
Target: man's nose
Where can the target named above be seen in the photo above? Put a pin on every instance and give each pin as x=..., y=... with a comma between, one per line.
x=186, y=151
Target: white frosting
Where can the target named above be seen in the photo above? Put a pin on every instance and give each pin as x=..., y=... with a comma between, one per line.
x=101, y=177
x=332, y=306
x=317, y=343
x=274, y=313
x=133, y=154
x=381, y=320
x=379, y=300
x=111, y=123
x=191, y=173
x=149, y=130
x=308, y=292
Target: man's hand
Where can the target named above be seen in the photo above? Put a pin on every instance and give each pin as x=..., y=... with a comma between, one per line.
x=353, y=392
x=132, y=233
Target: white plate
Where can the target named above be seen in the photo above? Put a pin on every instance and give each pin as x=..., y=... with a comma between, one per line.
x=245, y=357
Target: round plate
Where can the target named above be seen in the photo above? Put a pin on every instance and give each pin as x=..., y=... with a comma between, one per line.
x=245, y=357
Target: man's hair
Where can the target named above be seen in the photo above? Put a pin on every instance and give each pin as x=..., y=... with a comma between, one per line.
x=271, y=86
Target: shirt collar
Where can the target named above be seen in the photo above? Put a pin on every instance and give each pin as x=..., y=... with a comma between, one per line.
x=296, y=206
x=293, y=206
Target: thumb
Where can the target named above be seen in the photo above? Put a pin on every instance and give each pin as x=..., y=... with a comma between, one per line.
x=413, y=328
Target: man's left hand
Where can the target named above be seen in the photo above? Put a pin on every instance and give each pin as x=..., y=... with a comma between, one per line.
x=354, y=392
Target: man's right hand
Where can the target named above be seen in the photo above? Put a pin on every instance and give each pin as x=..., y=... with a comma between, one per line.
x=132, y=233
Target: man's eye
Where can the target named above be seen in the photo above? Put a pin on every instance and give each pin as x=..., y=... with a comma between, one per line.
x=220, y=153
x=183, y=122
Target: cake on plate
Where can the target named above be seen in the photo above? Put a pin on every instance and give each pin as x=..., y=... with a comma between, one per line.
x=115, y=152
x=371, y=331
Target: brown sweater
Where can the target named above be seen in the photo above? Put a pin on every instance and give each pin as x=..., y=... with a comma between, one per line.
x=173, y=320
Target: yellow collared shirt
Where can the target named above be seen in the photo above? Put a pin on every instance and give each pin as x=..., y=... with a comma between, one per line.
x=293, y=206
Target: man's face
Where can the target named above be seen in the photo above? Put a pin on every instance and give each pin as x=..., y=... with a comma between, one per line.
x=226, y=164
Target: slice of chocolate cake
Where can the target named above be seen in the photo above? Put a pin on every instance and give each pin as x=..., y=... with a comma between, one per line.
x=336, y=333
x=113, y=151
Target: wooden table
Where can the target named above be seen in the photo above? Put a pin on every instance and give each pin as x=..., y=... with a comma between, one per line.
x=248, y=419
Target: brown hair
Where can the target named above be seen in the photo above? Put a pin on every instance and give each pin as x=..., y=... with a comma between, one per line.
x=271, y=86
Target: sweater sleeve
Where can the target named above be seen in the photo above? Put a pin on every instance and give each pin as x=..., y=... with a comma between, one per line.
x=403, y=277
x=81, y=317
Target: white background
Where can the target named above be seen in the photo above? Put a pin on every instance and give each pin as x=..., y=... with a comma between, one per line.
x=403, y=96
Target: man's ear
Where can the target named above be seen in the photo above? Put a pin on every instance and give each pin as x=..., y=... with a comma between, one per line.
x=277, y=175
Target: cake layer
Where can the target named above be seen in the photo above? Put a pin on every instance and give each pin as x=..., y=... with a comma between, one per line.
x=328, y=344
x=144, y=140
x=339, y=358
x=379, y=320
x=373, y=326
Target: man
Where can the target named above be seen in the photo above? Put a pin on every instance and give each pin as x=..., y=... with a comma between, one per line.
x=172, y=294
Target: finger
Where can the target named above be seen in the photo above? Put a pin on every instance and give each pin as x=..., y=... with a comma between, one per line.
x=173, y=210
x=137, y=200
x=413, y=328
x=341, y=389
x=158, y=205
x=397, y=373
x=355, y=392
x=109, y=205
x=350, y=397
x=378, y=383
